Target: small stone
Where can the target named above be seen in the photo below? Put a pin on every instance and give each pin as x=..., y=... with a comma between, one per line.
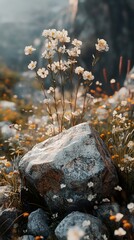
x=7, y=217
x=4, y=194
x=27, y=237
x=83, y=224
x=38, y=223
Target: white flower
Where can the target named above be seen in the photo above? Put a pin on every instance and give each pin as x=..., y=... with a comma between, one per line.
x=123, y=103
x=130, y=144
x=17, y=127
x=32, y=65
x=86, y=223
x=62, y=49
x=88, y=75
x=46, y=101
x=70, y=62
x=62, y=185
x=101, y=45
x=114, y=113
x=79, y=70
x=53, y=33
x=47, y=54
x=50, y=33
x=51, y=45
x=62, y=36
x=130, y=207
x=75, y=233
x=120, y=232
x=105, y=200
x=77, y=43
x=56, y=66
x=97, y=83
x=128, y=158
x=55, y=215
x=118, y=188
x=118, y=217
x=50, y=90
x=86, y=237
x=52, y=67
x=112, y=80
x=74, y=52
x=122, y=169
x=55, y=196
x=104, y=237
x=90, y=184
x=91, y=197
x=42, y=72
x=45, y=33
x=29, y=50
x=70, y=200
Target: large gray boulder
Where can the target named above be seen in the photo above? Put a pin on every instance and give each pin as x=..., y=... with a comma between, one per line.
x=83, y=225
x=72, y=166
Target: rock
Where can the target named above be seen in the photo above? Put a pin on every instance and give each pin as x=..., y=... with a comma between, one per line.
x=118, y=96
x=7, y=218
x=8, y=105
x=122, y=94
x=4, y=193
x=38, y=223
x=6, y=131
x=62, y=167
x=27, y=237
x=90, y=226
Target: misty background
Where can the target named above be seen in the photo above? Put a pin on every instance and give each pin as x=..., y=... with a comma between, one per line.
x=21, y=23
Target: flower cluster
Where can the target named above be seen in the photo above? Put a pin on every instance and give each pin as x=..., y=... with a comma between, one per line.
x=56, y=43
x=60, y=57
x=102, y=45
x=120, y=232
x=75, y=233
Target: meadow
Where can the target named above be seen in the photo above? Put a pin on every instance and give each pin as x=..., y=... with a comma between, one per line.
x=68, y=100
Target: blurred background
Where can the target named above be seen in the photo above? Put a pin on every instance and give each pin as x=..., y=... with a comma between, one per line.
x=22, y=22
